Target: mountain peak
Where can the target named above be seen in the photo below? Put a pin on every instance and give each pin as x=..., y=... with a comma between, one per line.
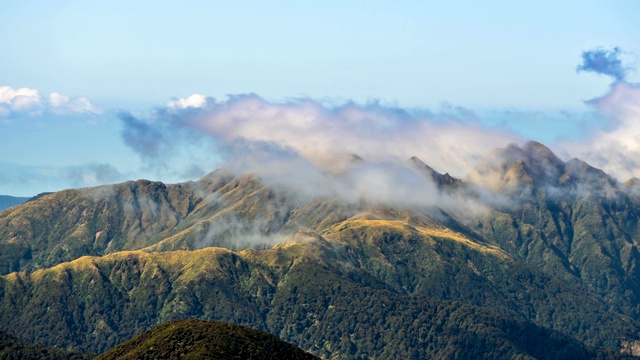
x=514, y=167
x=534, y=147
x=439, y=179
x=419, y=164
x=535, y=165
x=530, y=151
x=633, y=182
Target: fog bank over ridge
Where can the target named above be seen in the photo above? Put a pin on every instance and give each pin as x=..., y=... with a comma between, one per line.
x=361, y=150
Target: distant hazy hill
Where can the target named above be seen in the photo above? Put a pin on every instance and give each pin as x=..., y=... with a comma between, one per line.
x=198, y=339
x=9, y=201
x=549, y=267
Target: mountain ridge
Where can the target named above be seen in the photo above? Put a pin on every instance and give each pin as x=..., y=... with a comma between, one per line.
x=550, y=243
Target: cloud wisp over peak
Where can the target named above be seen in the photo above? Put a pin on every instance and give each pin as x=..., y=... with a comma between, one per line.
x=249, y=125
x=351, y=148
x=352, y=151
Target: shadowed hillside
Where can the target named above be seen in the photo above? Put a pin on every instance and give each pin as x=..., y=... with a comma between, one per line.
x=307, y=292
x=13, y=349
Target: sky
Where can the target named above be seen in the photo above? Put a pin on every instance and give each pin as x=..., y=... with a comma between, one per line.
x=95, y=93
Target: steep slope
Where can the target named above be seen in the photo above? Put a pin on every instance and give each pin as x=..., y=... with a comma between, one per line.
x=412, y=255
x=338, y=319
x=442, y=181
x=65, y=225
x=571, y=220
x=95, y=303
x=237, y=213
x=199, y=339
x=219, y=210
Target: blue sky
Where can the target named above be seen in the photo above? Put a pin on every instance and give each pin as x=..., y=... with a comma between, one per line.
x=507, y=68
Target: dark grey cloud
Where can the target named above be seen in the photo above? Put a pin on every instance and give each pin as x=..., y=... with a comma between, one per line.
x=605, y=62
x=144, y=138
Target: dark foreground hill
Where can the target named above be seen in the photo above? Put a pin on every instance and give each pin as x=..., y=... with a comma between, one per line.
x=199, y=339
x=13, y=349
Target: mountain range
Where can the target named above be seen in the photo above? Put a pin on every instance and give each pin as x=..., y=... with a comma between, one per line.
x=528, y=256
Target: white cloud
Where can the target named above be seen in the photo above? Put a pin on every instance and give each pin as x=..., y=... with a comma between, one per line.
x=74, y=105
x=7, y=94
x=29, y=101
x=19, y=100
x=58, y=100
x=321, y=134
x=193, y=101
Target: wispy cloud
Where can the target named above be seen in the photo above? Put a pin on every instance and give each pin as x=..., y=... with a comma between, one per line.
x=605, y=62
x=449, y=140
x=18, y=178
x=29, y=101
x=616, y=147
x=91, y=175
x=350, y=151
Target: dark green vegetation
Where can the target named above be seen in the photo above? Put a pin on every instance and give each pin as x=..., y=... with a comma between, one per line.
x=14, y=349
x=9, y=201
x=198, y=339
x=549, y=268
x=344, y=315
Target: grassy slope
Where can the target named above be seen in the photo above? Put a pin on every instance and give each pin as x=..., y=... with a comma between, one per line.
x=66, y=225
